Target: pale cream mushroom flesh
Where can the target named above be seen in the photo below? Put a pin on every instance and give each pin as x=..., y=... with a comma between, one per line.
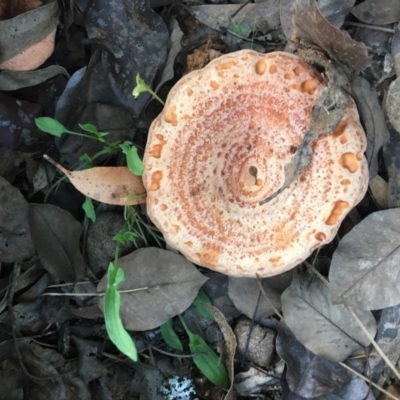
x=220, y=147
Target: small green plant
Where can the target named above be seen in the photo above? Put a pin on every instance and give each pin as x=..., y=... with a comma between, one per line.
x=133, y=227
x=206, y=360
x=112, y=304
x=204, y=356
x=170, y=337
x=142, y=87
x=56, y=128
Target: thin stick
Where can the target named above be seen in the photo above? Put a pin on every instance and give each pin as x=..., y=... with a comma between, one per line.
x=368, y=381
x=367, y=26
x=268, y=300
x=93, y=294
x=376, y=346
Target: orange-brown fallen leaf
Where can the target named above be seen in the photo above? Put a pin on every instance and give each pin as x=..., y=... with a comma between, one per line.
x=110, y=185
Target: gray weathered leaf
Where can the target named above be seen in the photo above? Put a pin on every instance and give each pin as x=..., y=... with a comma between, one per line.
x=335, y=11
x=56, y=235
x=174, y=47
x=311, y=26
x=373, y=118
x=14, y=80
x=325, y=329
x=380, y=12
x=172, y=283
x=365, y=267
x=260, y=16
x=245, y=292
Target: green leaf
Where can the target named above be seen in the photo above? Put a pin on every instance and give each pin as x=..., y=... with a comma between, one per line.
x=89, y=209
x=85, y=158
x=125, y=237
x=112, y=303
x=200, y=303
x=140, y=87
x=93, y=129
x=240, y=29
x=207, y=361
x=170, y=337
x=51, y=126
x=133, y=160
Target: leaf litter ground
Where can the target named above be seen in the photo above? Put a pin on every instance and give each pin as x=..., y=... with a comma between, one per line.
x=53, y=339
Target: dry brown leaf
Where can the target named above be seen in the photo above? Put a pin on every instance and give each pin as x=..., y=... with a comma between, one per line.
x=110, y=185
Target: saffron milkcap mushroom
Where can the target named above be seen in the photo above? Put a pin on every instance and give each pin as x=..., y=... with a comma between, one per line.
x=220, y=147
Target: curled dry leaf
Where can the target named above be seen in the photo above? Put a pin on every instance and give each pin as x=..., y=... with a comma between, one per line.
x=311, y=26
x=327, y=330
x=110, y=185
x=334, y=11
x=308, y=375
x=368, y=260
x=171, y=284
x=27, y=40
x=229, y=347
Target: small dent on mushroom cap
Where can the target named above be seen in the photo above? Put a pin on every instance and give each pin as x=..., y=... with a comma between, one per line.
x=273, y=69
x=225, y=65
x=349, y=161
x=337, y=212
x=214, y=85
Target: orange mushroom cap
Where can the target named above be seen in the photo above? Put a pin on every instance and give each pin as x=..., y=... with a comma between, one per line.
x=220, y=147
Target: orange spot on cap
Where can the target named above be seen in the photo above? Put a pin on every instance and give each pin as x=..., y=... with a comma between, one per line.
x=320, y=236
x=349, y=161
x=214, y=85
x=297, y=70
x=170, y=116
x=308, y=86
x=338, y=209
x=261, y=67
x=155, y=180
x=340, y=128
x=273, y=69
